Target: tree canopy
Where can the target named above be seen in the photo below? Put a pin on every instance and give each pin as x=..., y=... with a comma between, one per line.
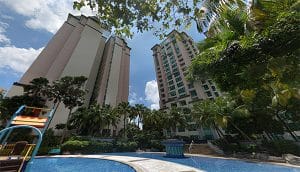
x=125, y=17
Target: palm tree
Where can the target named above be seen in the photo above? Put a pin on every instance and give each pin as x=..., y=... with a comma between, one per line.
x=204, y=114
x=226, y=108
x=124, y=109
x=111, y=118
x=140, y=110
x=218, y=16
x=176, y=118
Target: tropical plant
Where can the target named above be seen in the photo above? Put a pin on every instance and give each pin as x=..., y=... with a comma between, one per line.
x=93, y=119
x=139, y=110
x=175, y=118
x=160, y=15
x=204, y=114
x=68, y=90
x=34, y=96
x=124, y=109
x=257, y=67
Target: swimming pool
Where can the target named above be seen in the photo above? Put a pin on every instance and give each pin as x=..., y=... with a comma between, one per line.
x=77, y=164
x=216, y=164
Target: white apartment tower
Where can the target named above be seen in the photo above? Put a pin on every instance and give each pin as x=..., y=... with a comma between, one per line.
x=172, y=58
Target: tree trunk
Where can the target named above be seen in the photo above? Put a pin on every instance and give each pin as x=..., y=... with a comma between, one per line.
x=125, y=136
x=244, y=134
x=66, y=127
x=220, y=133
x=138, y=124
x=55, y=106
x=287, y=127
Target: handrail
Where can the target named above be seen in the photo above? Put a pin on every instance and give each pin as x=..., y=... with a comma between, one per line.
x=24, y=159
x=30, y=107
x=8, y=129
x=9, y=123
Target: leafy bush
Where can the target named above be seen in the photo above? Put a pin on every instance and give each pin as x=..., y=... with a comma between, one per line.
x=49, y=142
x=126, y=146
x=228, y=148
x=156, y=145
x=88, y=147
x=279, y=147
x=74, y=145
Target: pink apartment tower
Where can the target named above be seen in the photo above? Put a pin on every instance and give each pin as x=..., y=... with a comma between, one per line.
x=80, y=48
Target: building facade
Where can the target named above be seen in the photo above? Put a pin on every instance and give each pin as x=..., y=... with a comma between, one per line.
x=80, y=48
x=171, y=59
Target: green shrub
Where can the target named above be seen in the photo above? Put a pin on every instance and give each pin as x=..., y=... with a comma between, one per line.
x=49, y=142
x=156, y=145
x=228, y=148
x=99, y=147
x=126, y=146
x=75, y=145
x=44, y=150
x=279, y=147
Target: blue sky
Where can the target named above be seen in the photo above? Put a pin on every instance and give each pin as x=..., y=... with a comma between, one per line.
x=26, y=27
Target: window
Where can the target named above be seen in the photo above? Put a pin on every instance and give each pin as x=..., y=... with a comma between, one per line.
x=208, y=93
x=181, y=129
x=174, y=66
x=178, y=79
x=175, y=70
x=205, y=87
x=172, y=88
x=203, y=81
x=173, y=104
x=171, y=82
x=163, y=95
x=182, y=103
x=190, y=85
x=217, y=94
x=192, y=127
x=180, y=84
x=213, y=88
x=193, y=93
x=169, y=77
x=181, y=90
x=176, y=74
x=173, y=93
x=162, y=90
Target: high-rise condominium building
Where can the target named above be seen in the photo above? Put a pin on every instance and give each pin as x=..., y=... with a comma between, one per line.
x=79, y=48
x=172, y=58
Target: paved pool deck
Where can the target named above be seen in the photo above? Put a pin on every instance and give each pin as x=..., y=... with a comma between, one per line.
x=140, y=164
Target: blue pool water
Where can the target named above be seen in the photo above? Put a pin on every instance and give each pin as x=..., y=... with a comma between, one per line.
x=77, y=165
x=216, y=164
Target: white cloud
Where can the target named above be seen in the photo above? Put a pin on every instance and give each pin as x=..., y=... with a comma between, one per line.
x=152, y=95
x=18, y=59
x=45, y=14
x=134, y=98
x=3, y=38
